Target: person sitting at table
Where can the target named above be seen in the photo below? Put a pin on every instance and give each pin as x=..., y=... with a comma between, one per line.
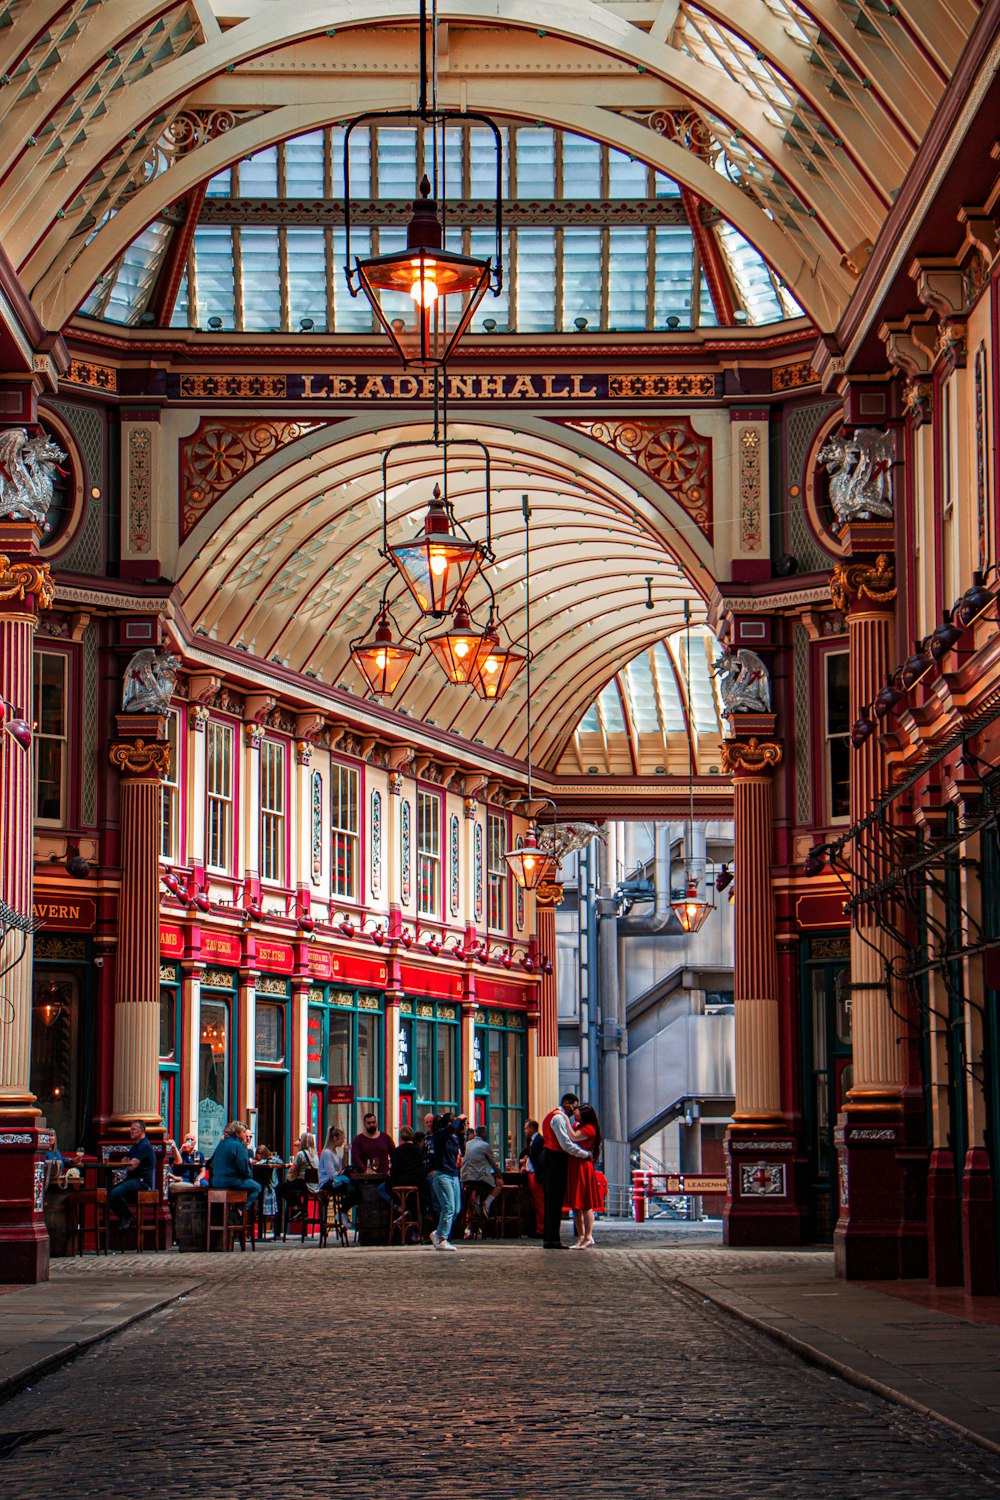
x=372, y=1148
x=297, y=1186
x=406, y=1169
x=140, y=1177
x=480, y=1173
x=333, y=1173
x=186, y=1164
x=230, y=1165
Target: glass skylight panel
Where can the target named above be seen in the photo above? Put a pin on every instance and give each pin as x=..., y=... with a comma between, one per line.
x=627, y=278
x=581, y=277
x=304, y=166
x=627, y=178
x=397, y=162
x=450, y=153
x=751, y=275
x=483, y=162
x=181, y=315
x=611, y=709
x=581, y=167
x=664, y=186
x=350, y=314
x=536, y=280
x=307, y=275
x=674, y=261
x=590, y=723
x=670, y=698
x=639, y=675
x=136, y=274
x=213, y=248
x=536, y=163
x=261, y=278
x=361, y=186
x=258, y=177
x=707, y=314
x=483, y=245
x=221, y=185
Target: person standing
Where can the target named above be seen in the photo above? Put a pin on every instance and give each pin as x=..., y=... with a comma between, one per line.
x=583, y=1191
x=449, y=1143
x=427, y=1147
x=140, y=1178
x=530, y=1158
x=558, y=1147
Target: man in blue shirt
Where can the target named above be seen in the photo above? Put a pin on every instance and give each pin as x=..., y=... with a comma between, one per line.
x=141, y=1177
x=230, y=1164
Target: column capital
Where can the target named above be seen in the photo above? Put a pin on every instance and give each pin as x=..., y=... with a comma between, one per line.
x=470, y=807
x=26, y=582
x=852, y=582
x=751, y=757
x=198, y=717
x=140, y=760
x=395, y=783
x=253, y=736
x=303, y=753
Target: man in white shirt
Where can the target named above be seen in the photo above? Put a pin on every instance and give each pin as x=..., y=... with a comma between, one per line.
x=559, y=1147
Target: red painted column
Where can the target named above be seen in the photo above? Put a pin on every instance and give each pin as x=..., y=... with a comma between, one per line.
x=25, y=590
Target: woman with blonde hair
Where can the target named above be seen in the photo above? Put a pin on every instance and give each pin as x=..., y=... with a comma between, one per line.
x=302, y=1179
x=333, y=1174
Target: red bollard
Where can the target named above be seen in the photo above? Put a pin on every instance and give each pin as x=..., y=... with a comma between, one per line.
x=638, y=1198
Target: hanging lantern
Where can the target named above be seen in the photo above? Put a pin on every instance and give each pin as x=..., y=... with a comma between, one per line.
x=530, y=865
x=16, y=724
x=424, y=297
x=460, y=650
x=382, y=661
x=692, y=910
x=50, y=1004
x=498, y=668
x=439, y=564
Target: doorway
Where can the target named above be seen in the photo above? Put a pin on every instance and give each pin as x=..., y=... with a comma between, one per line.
x=827, y=1071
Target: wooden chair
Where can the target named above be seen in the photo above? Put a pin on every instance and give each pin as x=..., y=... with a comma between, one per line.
x=96, y=1199
x=147, y=1209
x=223, y=1205
x=404, y=1217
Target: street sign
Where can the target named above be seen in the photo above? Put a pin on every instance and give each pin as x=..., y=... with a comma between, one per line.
x=690, y=1183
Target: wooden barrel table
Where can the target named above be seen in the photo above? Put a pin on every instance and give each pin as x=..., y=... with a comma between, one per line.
x=190, y=1210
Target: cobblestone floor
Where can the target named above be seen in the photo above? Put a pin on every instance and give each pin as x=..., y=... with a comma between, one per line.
x=498, y=1371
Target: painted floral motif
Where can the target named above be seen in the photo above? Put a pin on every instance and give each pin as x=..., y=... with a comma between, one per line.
x=404, y=883
x=454, y=884
x=519, y=893
x=317, y=828
x=479, y=872
x=376, y=845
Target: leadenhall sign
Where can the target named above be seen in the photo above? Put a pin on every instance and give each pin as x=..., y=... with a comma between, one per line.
x=350, y=388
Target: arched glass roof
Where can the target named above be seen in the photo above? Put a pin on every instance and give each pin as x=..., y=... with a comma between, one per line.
x=639, y=722
x=594, y=239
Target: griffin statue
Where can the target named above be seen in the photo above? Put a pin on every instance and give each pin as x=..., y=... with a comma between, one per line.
x=860, y=474
x=26, y=467
x=150, y=678
x=743, y=683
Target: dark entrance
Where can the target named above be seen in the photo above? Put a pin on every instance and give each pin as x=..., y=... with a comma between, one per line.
x=826, y=1068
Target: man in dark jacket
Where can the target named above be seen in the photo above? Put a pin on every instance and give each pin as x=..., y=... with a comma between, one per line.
x=449, y=1143
x=406, y=1169
x=230, y=1165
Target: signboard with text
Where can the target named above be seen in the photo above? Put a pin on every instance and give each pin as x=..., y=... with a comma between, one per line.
x=340, y=1093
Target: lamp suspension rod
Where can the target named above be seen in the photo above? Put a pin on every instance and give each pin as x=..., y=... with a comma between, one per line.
x=687, y=683
x=526, y=513
x=422, y=103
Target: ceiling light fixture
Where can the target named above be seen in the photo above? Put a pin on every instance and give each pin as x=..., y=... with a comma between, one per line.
x=693, y=909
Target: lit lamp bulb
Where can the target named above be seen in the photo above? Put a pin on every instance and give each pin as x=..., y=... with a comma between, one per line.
x=380, y=660
x=424, y=289
x=461, y=648
x=439, y=563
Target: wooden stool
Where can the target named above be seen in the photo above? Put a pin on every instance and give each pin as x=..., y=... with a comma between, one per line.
x=332, y=1205
x=97, y=1199
x=222, y=1204
x=404, y=1215
x=474, y=1218
x=147, y=1208
x=507, y=1209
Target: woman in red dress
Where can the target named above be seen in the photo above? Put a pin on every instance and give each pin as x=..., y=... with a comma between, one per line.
x=583, y=1192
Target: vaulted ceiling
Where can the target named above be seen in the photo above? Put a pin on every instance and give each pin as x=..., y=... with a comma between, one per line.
x=795, y=120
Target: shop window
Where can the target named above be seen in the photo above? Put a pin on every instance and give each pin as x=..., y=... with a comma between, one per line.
x=496, y=866
x=55, y=1044
x=836, y=666
x=169, y=1050
x=430, y=1039
x=219, y=781
x=499, y=1069
x=48, y=713
x=345, y=1047
x=270, y=1042
x=213, y=1074
x=346, y=832
x=170, y=797
x=428, y=854
x=272, y=811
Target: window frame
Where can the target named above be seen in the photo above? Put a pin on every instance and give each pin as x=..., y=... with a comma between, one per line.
x=219, y=799
x=434, y=857
x=497, y=876
x=273, y=820
x=170, y=793
x=832, y=819
x=40, y=737
x=351, y=837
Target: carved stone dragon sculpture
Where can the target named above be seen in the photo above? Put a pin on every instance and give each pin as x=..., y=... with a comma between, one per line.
x=26, y=469
x=743, y=683
x=150, y=678
x=860, y=474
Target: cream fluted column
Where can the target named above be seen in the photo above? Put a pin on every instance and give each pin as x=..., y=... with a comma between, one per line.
x=142, y=763
x=755, y=977
x=547, y=1031
x=25, y=589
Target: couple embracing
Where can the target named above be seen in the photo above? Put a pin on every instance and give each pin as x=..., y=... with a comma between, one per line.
x=571, y=1137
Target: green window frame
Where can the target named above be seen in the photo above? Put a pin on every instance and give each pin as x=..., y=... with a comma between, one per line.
x=432, y=1080
x=346, y=1045
x=500, y=1063
x=169, y=1045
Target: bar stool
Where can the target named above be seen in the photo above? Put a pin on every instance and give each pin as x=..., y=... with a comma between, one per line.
x=97, y=1199
x=223, y=1204
x=147, y=1207
x=506, y=1209
x=404, y=1216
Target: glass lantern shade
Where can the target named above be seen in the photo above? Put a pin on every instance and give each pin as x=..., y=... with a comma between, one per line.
x=692, y=910
x=497, y=671
x=460, y=650
x=424, y=297
x=381, y=661
x=529, y=865
x=437, y=566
